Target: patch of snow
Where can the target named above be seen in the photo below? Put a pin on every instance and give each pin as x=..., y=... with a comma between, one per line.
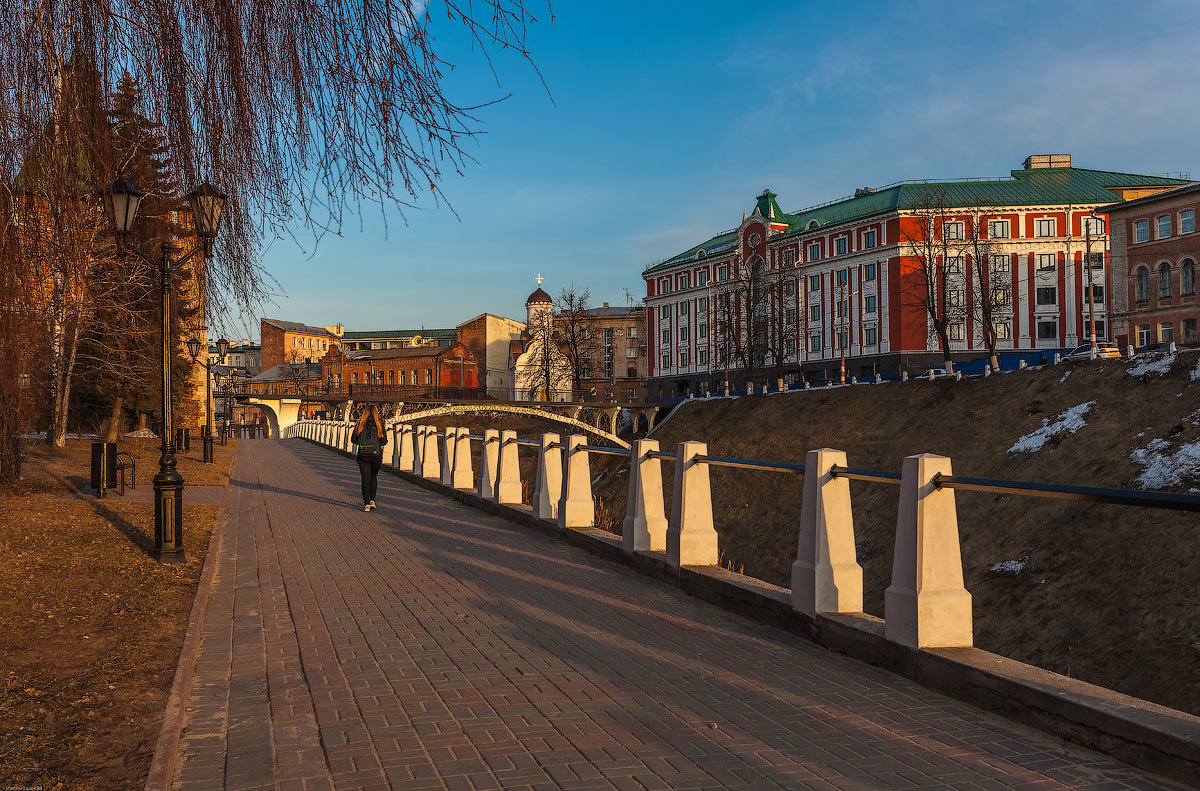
x=1064, y=377
x=1069, y=421
x=1160, y=365
x=1196, y=371
x=1162, y=470
x=1139, y=434
x=1013, y=567
x=142, y=432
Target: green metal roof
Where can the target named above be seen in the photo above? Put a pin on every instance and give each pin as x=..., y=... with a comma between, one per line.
x=380, y=334
x=1036, y=187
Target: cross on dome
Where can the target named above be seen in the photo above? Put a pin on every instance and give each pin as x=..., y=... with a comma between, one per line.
x=539, y=279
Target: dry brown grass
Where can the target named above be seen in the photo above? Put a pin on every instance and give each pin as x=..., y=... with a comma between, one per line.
x=1111, y=592
x=90, y=624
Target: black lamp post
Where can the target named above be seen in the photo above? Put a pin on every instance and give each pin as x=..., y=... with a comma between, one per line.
x=206, y=204
x=222, y=350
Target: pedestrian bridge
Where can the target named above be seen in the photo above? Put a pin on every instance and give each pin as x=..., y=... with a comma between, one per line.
x=432, y=645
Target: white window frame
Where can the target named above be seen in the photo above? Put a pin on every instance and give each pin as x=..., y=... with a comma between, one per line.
x=870, y=238
x=999, y=229
x=870, y=303
x=841, y=245
x=1038, y=329
x=1187, y=221
x=814, y=251
x=954, y=231
x=1141, y=231
x=1052, y=258
x=870, y=336
x=814, y=283
x=1040, y=223
x=1158, y=226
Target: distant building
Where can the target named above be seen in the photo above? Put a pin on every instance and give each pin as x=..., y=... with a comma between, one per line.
x=539, y=370
x=292, y=342
x=417, y=371
x=846, y=277
x=245, y=356
x=1155, y=248
x=489, y=337
x=618, y=369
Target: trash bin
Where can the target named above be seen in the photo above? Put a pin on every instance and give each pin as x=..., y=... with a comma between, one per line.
x=104, y=466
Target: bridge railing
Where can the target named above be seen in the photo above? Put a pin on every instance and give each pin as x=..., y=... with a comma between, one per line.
x=926, y=605
x=321, y=390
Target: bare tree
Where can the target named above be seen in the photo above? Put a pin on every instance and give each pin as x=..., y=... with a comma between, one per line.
x=933, y=236
x=743, y=318
x=299, y=110
x=991, y=281
x=575, y=331
x=550, y=374
x=780, y=285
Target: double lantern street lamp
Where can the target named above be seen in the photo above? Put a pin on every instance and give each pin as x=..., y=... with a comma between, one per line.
x=222, y=350
x=206, y=204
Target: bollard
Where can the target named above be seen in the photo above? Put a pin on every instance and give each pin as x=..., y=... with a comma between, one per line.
x=1129, y=350
x=926, y=606
x=645, y=525
x=1021, y=364
x=547, y=491
x=1171, y=349
x=395, y=432
x=508, y=470
x=904, y=376
x=418, y=449
x=449, y=435
x=489, y=457
x=577, y=508
x=463, y=476
x=1057, y=359
x=826, y=576
x=987, y=370
x=691, y=539
x=931, y=374
x=430, y=467
x=878, y=379
x=958, y=376
x=853, y=380
x=404, y=446
x=806, y=385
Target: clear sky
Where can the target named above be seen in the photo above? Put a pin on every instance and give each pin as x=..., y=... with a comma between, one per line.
x=665, y=120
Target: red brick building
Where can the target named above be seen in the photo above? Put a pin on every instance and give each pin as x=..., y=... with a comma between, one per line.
x=292, y=342
x=425, y=370
x=1155, y=248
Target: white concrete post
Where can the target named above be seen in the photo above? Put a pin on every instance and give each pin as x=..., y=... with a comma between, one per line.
x=1057, y=359
x=826, y=576
x=1128, y=350
x=463, y=476
x=1021, y=364
x=1172, y=349
x=508, y=470
x=404, y=447
x=395, y=440
x=325, y=433
x=691, y=539
x=489, y=458
x=958, y=375
x=430, y=467
x=904, y=376
x=645, y=525
x=577, y=509
x=547, y=490
x=987, y=369
x=926, y=606
x=853, y=380
x=931, y=374
x=449, y=434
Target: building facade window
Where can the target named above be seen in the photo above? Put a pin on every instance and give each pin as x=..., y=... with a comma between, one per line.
x=869, y=336
x=1189, y=276
x=702, y=357
x=998, y=229
x=1100, y=328
x=1187, y=221
x=957, y=331
x=702, y=277
x=814, y=251
x=1143, y=284
x=1047, y=261
x=1166, y=332
x=631, y=332
x=1141, y=231
x=702, y=331
x=839, y=245
x=1097, y=294
x=1047, y=330
x=722, y=272
x=870, y=239
x=683, y=334
x=954, y=266
x=999, y=262
x=1093, y=226
x=666, y=336
x=1164, y=280
x=703, y=306
x=999, y=297
x=814, y=343
x=1045, y=227
x=666, y=360
x=1143, y=334
x=814, y=312
x=664, y=312
x=1164, y=226
x=869, y=304
x=1047, y=295
x=869, y=272
x=789, y=257
x=814, y=282
x=683, y=358
x=1002, y=330
x=952, y=230
x=683, y=309
x=1189, y=331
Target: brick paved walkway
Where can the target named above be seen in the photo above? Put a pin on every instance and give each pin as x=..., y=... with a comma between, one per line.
x=428, y=646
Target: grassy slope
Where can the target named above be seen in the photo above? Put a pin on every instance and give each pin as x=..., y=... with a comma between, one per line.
x=1111, y=595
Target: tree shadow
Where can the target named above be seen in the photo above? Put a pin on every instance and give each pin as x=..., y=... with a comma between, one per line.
x=131, y=531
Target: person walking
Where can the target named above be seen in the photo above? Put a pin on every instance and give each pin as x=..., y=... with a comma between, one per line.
x=369, y=438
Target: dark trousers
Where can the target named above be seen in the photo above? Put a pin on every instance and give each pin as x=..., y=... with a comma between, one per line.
x=368, y=468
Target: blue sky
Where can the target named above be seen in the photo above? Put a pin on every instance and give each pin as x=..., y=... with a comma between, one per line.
x=668, y=118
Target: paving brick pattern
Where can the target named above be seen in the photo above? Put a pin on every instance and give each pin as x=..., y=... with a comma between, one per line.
x=429, y=646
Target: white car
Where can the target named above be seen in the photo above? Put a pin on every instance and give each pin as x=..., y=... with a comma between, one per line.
x=937, y=373
x=1084, y=352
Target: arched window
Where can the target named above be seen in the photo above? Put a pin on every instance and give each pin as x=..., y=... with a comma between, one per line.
x=1189, y=276
x=811, y=225
x=1164, y=280
x=1143, y=283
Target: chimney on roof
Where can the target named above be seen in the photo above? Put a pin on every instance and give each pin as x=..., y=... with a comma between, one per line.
x=1043, y=161
x=858, y=193
x=606, y=304
x=245, y=342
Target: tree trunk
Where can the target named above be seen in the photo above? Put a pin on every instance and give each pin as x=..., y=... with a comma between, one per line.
x=114, y=421
x=142, y=420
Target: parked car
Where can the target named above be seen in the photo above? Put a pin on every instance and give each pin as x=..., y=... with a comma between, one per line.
x=1084, y=352
x=1152, y=347
x=937, y=373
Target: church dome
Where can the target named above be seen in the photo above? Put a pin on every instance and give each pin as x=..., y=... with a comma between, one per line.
x=539, y=297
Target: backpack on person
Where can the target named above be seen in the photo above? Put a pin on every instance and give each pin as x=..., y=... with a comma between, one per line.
x=368, y=440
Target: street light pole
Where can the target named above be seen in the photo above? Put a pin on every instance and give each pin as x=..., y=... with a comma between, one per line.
x=1091, y=292
x=222, y=350
x=206, y=204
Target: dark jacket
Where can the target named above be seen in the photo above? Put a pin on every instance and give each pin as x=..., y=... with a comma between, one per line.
x=367, y=432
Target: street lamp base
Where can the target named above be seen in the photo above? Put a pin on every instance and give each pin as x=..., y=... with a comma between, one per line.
x=208, y=448
x=168, y=514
